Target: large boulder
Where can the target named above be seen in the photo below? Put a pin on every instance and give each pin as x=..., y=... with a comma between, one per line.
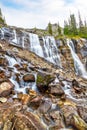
x=6, y=88
x=29, y=78
x=55, y=90
x=43, y=80
x=57, y=118
x=45, y=106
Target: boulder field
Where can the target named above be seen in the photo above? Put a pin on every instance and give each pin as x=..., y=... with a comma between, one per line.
x=36, y=95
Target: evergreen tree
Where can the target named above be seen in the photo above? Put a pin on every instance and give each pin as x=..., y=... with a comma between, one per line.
x=81, y=26
x=50, y=28
x=66, y=28
x=59, y=30
x=73, y=25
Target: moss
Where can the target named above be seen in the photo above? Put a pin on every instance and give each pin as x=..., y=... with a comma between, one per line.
x=44, y=79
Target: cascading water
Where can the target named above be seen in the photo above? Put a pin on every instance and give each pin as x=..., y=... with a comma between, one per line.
x=11, y=61
x=79, y=67
x=15, y=37
x=35, y=44
x=2, y=34
x=51, y=50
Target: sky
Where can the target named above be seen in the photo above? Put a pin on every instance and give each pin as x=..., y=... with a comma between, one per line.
x=38, y=13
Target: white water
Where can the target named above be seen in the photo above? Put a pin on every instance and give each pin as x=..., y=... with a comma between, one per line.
x=35, y=44
x=79, y=67
x=15, y=37
x=2, y=33
x=51, y=50
x=11, y=60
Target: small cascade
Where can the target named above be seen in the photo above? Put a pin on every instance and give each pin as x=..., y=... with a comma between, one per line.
x=11, y=61
x=51, y=50
x=2, y=34
x=15, y=37
x=79, y=67
x=35, y=44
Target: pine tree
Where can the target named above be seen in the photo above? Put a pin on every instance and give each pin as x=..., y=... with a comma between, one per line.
x=66, y=28
x=50, y=28
x=59, y=30
x=73, y=25
x=81, y=26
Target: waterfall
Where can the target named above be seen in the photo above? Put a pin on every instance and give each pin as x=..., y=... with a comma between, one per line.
x=79, y=67
x=35, y=44
x=51, y=50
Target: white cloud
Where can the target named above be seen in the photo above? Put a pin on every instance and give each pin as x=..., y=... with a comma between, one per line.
x=39, y=12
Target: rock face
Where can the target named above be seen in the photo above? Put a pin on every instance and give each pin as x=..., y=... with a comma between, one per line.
x=5, y=88
x=43, y=80
x=56, y=104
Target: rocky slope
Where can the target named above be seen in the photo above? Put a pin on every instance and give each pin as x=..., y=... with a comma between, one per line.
x=38, y=95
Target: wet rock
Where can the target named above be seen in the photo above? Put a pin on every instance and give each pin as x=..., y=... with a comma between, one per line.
x=28, y=121
x=76, y=86
x=43, y=80
x=29, y=78
x=25, y=66
x=1, y=47
x=45, y=106
x=75, y=83
x=71, y=116
x=17, y=66
x=56, y=127
x=55, y=90
x=25, y=98
x=3, y=99
x=57, y=118
x=7, y=125
x=32, y=92
x=14, y=116
x=35, y=102
x=82, y=110
x=3, y=76
x=6, y=88
x=79, y=123
x=3, y=61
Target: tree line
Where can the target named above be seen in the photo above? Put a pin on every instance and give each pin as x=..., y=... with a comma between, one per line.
x=71, y=27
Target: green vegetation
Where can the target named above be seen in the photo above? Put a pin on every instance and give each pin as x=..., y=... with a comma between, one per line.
x=50, y=28
x=72, y=28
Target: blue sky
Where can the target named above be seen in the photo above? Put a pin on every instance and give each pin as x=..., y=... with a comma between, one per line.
x=37, y=13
